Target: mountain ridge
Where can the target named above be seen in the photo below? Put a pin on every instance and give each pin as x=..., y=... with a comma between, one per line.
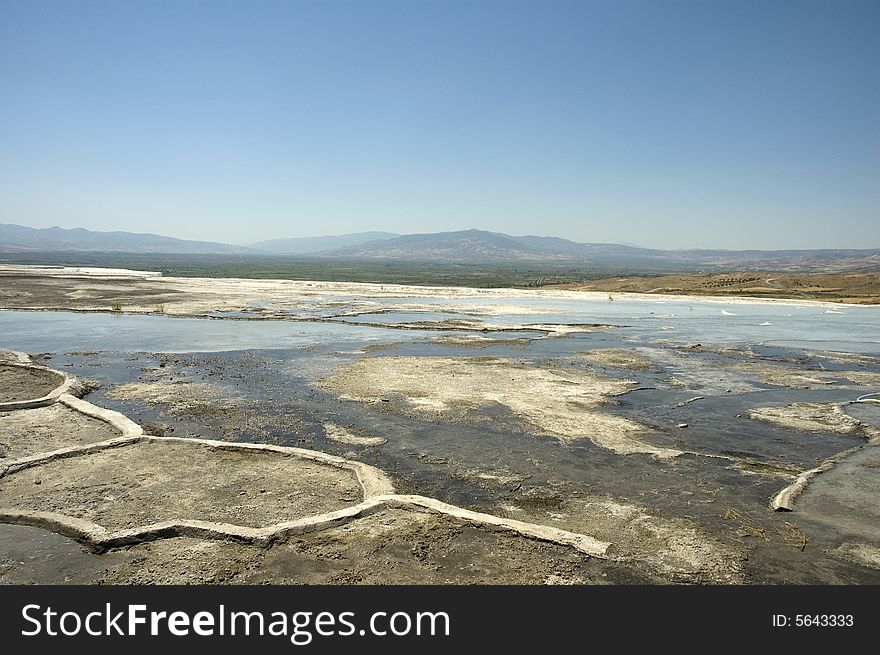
x=18, y=238
x=465, y=247
x=468, y=246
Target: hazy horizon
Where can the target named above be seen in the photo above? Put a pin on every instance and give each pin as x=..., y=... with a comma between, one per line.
x=207, y=238
x=670, y=125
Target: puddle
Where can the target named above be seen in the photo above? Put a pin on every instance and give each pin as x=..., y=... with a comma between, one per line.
x=65, y=331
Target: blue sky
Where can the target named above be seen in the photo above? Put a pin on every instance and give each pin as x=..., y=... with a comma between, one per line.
x=734, y=124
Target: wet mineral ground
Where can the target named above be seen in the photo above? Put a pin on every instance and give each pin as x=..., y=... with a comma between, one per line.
x=702, y=442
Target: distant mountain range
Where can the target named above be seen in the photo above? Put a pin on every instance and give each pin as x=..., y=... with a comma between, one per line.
x=481, y=247
x=475, y=247
x=17, y=238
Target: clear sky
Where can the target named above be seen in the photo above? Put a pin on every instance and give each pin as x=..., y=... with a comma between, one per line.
x=660, y=123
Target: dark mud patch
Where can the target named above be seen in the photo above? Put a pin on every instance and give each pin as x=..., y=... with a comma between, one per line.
x=36, y=556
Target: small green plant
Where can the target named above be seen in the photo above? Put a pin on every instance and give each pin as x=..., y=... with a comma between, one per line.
x=160, y=308
x=116, y=306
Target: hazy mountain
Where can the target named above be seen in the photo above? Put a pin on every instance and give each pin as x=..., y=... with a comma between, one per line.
x=308, y=245
x=17, y=238
x=467, y=245
x=470, y=247
x=481, y=247
x=579, y=250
